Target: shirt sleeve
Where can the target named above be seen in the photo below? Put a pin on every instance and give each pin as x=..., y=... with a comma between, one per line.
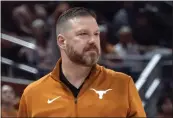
x=135, y=104
x=22, y=112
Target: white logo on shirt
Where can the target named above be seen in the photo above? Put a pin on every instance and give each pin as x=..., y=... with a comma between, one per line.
x=101, y=93
x=50, y=101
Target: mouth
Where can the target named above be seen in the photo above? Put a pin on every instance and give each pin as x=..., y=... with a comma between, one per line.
x=92, y=50
x=91, y=53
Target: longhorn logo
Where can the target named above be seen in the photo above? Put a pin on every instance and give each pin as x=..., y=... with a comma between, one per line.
x=100, y=93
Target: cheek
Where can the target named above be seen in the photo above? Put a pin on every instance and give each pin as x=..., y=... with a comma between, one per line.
x=98, y=41
x=74, y=47
x=79, y=46
x=98, y=44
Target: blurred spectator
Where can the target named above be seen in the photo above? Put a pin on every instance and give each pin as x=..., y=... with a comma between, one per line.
x=44, y=36
x=7, y=24
x=126, y=45
x=107, y=39
x=165, y=107
x=61, y=7
x=25, y=15
x=42, y=55
x=9, y=100
x=125, y=16
x=165, y=102
x=9, y=49
x=105, y=45
x=143, y=31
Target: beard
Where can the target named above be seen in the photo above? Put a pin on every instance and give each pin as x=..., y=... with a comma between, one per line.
x=86, y=58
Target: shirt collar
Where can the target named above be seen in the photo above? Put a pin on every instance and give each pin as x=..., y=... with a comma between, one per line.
x=55, y=74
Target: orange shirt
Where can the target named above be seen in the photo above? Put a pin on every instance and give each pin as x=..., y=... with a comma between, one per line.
x=105, y=93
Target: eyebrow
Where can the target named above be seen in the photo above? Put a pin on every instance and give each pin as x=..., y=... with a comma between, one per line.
x=84, y=30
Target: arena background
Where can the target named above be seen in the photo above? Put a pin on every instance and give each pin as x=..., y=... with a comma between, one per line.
x=29, y=49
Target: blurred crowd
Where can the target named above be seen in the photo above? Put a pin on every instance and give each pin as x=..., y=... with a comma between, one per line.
x=130, y=31
x=35, y=25
x=165, y=103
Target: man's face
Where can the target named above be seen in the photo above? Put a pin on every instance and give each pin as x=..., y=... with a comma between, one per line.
x=83, y=41
x=8, y=95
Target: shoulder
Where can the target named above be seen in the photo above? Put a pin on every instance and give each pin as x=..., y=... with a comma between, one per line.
x=115, y=75
x=36, y=86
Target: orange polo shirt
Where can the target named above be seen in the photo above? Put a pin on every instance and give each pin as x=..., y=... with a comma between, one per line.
x=105, y=93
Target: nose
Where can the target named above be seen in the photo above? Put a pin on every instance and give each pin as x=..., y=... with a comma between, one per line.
x=92, y=40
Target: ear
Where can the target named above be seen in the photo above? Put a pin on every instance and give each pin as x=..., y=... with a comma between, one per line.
x=61, y=41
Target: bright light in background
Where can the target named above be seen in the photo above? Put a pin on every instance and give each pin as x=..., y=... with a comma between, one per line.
x=6, y=61
x=18, y=41
x=28, y=68
x=152, y=88
x=143, y=77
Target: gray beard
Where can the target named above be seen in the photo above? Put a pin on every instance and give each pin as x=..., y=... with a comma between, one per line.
x=84, y=60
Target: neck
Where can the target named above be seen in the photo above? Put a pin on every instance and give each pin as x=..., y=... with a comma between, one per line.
x=7, y=106
x=75, y=73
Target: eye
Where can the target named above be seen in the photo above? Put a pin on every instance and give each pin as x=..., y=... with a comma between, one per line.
x=82, y=34
x=97, y=34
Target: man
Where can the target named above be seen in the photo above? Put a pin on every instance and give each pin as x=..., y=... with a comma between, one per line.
x=78, y=87
x=8, y=102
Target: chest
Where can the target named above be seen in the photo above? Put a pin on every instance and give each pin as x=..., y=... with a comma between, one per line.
x=94, y=102
x=102, y=103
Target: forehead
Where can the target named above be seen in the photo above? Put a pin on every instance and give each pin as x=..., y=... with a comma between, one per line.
x=81, y=23
x=6, y=88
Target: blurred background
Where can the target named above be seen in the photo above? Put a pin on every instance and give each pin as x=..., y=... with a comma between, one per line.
x=136, y=38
